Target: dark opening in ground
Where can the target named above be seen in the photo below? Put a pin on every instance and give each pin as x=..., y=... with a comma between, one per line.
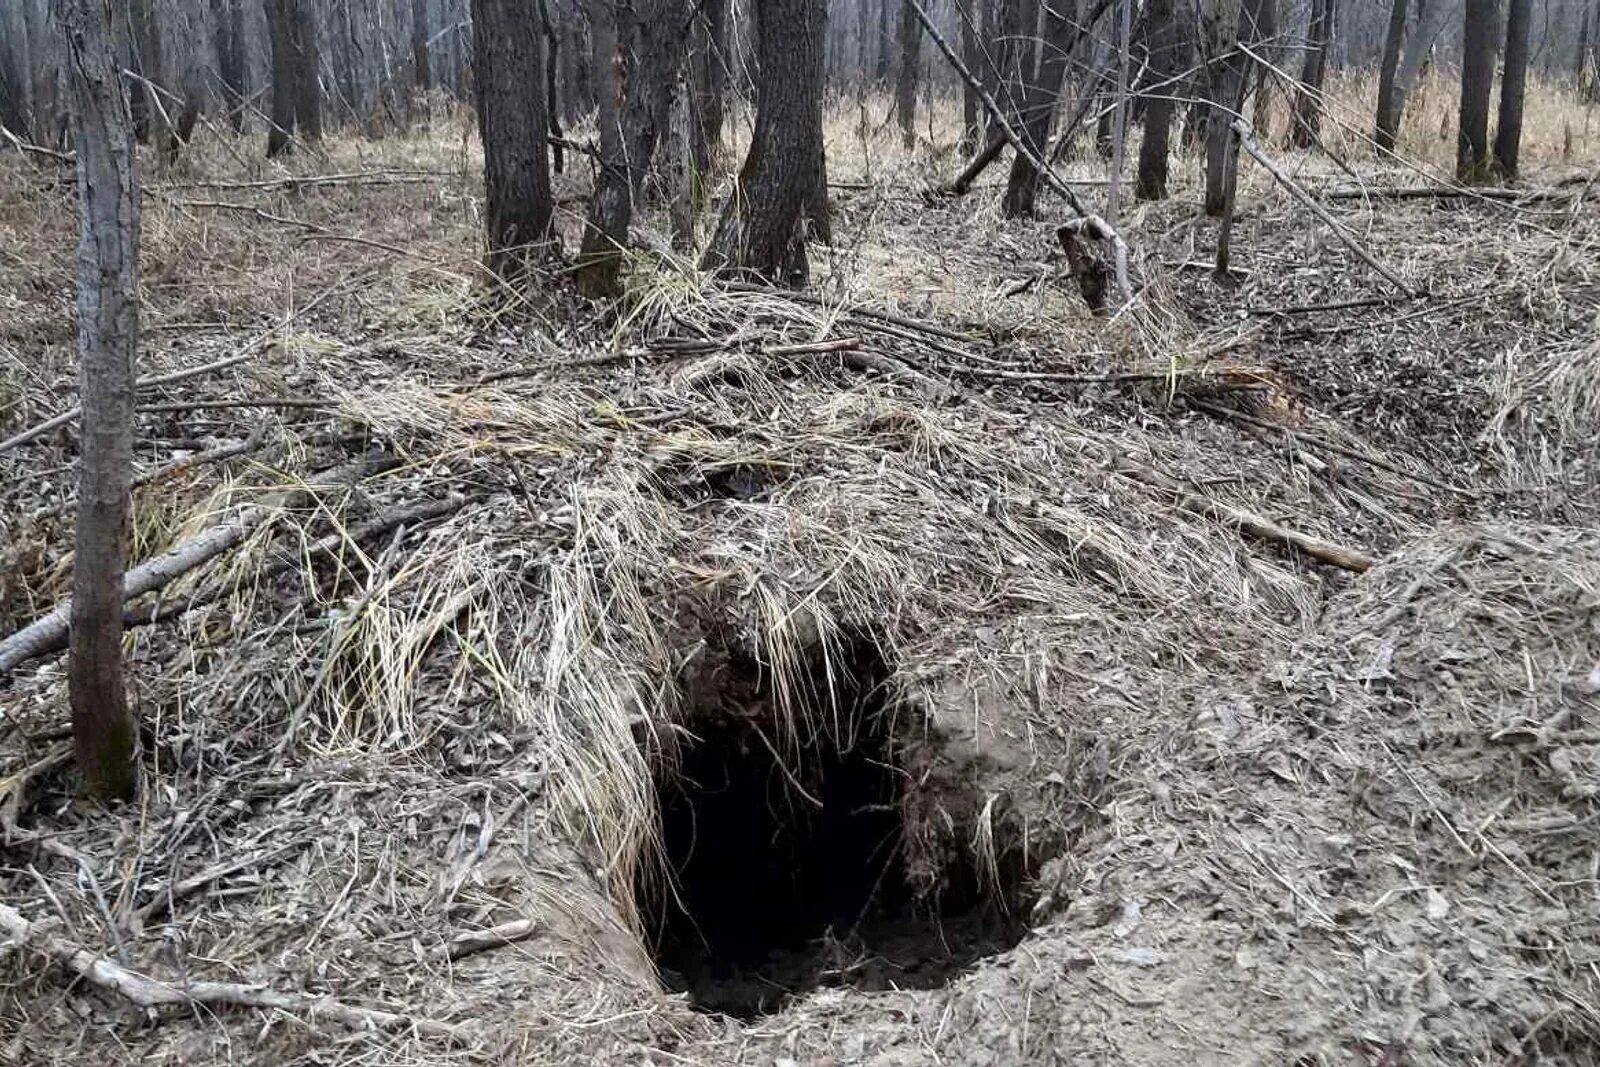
x=792, y=873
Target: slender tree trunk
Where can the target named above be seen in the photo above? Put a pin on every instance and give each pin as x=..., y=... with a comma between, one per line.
x=1226, y=72
x=644, y=40
x=971, y=109
x=552, y=105
x=1388, y=121
x=147, y=63
x=782, y=185
x=228, y=24
x=1477, y=75
x=1513, y=86
x=1308, y=97
x=1040, y=106
x=307, y=91
x=881, y=68
x=905, y=84
x=103, y=729
x=421, y=62
x=281, y=15
x=1166, y=62
x=508, y=77
x=709, y=77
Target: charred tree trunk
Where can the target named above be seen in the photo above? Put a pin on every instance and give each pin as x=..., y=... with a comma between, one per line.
x=552, y=105
x=1477, y=75
x=508, y=78
x=103, y=730
x=1308, y=97
x=782, y=186
x=606, y=232
x=905, y=84
x=1166, y=62
x=1388, y=120
x=1040, y=107
x=1513, y=86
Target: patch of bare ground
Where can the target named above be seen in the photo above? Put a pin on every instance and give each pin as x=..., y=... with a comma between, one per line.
x=1013, y=632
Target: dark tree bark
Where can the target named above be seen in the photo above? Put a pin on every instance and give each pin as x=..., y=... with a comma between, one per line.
x=1388, y=120
x=971, y=109
x=308, y=91
x=281, y=16
x=146, y=61
x=103, y=728
x=644, y=42
x=1477, y=75
x=782, y=186
x=1308, y=96
x=1166, y=60
x=421, y=63
x=1039, y=106
x=708, y=78
x=508, y=77
x=228, y=22
x=880, y=74
x=1513, y=86
x=552, y=105
x=1224, y=92
x=905, y=83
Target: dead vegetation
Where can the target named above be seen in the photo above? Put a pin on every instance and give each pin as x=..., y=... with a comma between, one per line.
x=1256, y=807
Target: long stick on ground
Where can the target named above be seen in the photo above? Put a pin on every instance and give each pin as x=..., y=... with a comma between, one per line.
x=1247, y=140
x=1322, y=551
x=49, y=633
x=1094, y=224
x=148, y=992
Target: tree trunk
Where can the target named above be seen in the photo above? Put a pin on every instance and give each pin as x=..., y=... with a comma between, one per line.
x=1225, y=89
x=881, y=68
x=1308, y=97
x=1388, y=121
x=508, y=78
x=971, y=109
x=552, y=105
x=281, y=16
x=1040, y=107
x=709, y=78
x=228, y=24
x=1166, y=62
x=642, y=43
x=1477, y=74
x=146, y=57
x=905, y=84
x=421, y=63
x=103, y=727
x=307, y=90
x=1513, y=85
x=783, y=183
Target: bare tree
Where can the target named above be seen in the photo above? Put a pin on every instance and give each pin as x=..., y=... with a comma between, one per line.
x=146, y=60
x=1513, y=87
x=296, y=94
x=781, y=188
x=905, y=82
x=508, y=75
x=1477, y=76
x=1308, y=95
x=103, y=727
x=708, y=80
x=1039, y=105
x=228, y=25
x=639, y=47
x=971, y=109
x=1388, y=120
x=1166, y=50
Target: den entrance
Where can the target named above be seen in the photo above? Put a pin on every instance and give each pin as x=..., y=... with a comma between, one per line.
x=788, y=848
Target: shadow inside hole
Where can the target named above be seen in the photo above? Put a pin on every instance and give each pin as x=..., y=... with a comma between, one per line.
x=792, y=874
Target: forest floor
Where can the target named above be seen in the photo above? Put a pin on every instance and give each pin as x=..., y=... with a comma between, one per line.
x=527, y=597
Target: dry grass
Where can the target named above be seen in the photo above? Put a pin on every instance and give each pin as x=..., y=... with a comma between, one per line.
x=461, y=720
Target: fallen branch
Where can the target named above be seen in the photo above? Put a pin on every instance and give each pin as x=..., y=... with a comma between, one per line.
x=241, y=402
x=373, y=177
x=1442, y=192
x=165, y=899
x=151, y=993
x=837, y=344
x=1349, y=559
x=464, y=945
x=49, y=633
x=1247, y=141
x=29, y=148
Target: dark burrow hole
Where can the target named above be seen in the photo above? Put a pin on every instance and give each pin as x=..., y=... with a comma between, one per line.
x=797, y=874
